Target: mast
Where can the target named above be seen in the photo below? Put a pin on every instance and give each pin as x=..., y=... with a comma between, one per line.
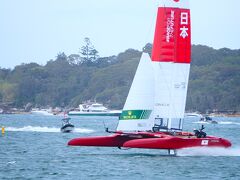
x=171, y=56
x=159, y=88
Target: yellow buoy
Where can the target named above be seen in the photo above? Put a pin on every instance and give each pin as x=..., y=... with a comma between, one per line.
x=3, y=130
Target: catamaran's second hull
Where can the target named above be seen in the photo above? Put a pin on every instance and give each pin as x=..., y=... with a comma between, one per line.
x=149, y=140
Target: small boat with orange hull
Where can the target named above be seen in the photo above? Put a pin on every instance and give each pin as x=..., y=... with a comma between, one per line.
x=153, y=113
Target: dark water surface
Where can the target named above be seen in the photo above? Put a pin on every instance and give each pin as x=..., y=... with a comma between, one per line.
x=34, y=148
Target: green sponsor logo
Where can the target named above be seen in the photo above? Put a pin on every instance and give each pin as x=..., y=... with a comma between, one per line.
x=135, y=114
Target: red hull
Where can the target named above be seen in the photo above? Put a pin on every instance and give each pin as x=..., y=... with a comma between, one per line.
x=158, y=140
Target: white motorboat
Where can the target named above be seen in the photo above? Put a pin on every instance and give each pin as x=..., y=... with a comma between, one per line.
x=66, y=125
x=95, y=109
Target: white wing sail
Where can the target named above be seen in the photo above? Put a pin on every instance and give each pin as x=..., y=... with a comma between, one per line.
x=171, y=58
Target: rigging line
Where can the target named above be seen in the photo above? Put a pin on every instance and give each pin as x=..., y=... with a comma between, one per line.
x=182, y=73
x=182, y=94
x=174, y=66
x=163, y=73
x=161, y=68
x=104, y=125
x=173, y=88
x=151, y=28
x=166, y=78
x=119, y=117
x=173, y=107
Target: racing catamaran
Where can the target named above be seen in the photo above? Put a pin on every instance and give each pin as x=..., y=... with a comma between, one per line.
x=153, y=113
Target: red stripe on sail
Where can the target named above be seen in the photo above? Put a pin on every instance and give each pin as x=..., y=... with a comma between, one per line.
x=172, y=39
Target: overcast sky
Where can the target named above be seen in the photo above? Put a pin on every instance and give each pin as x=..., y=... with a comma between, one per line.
x=37, y=30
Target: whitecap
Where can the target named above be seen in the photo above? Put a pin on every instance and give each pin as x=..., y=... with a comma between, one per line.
x=45, y=129
x=209, y=151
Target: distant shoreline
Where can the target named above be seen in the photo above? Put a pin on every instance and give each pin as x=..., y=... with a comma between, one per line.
x=212, y=115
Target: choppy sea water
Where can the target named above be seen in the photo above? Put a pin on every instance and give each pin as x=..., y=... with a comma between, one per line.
x=34, y=148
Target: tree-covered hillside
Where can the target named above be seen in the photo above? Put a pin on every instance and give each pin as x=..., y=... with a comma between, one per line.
x=69, y=80
x=214, y=79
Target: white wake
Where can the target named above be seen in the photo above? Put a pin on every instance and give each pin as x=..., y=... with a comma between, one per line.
x=218, y=122
x=204, y=151
x=45, y=129
x=228, y=122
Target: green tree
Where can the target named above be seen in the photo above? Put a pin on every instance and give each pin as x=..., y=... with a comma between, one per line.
x=88, y=52
x=74, y=59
